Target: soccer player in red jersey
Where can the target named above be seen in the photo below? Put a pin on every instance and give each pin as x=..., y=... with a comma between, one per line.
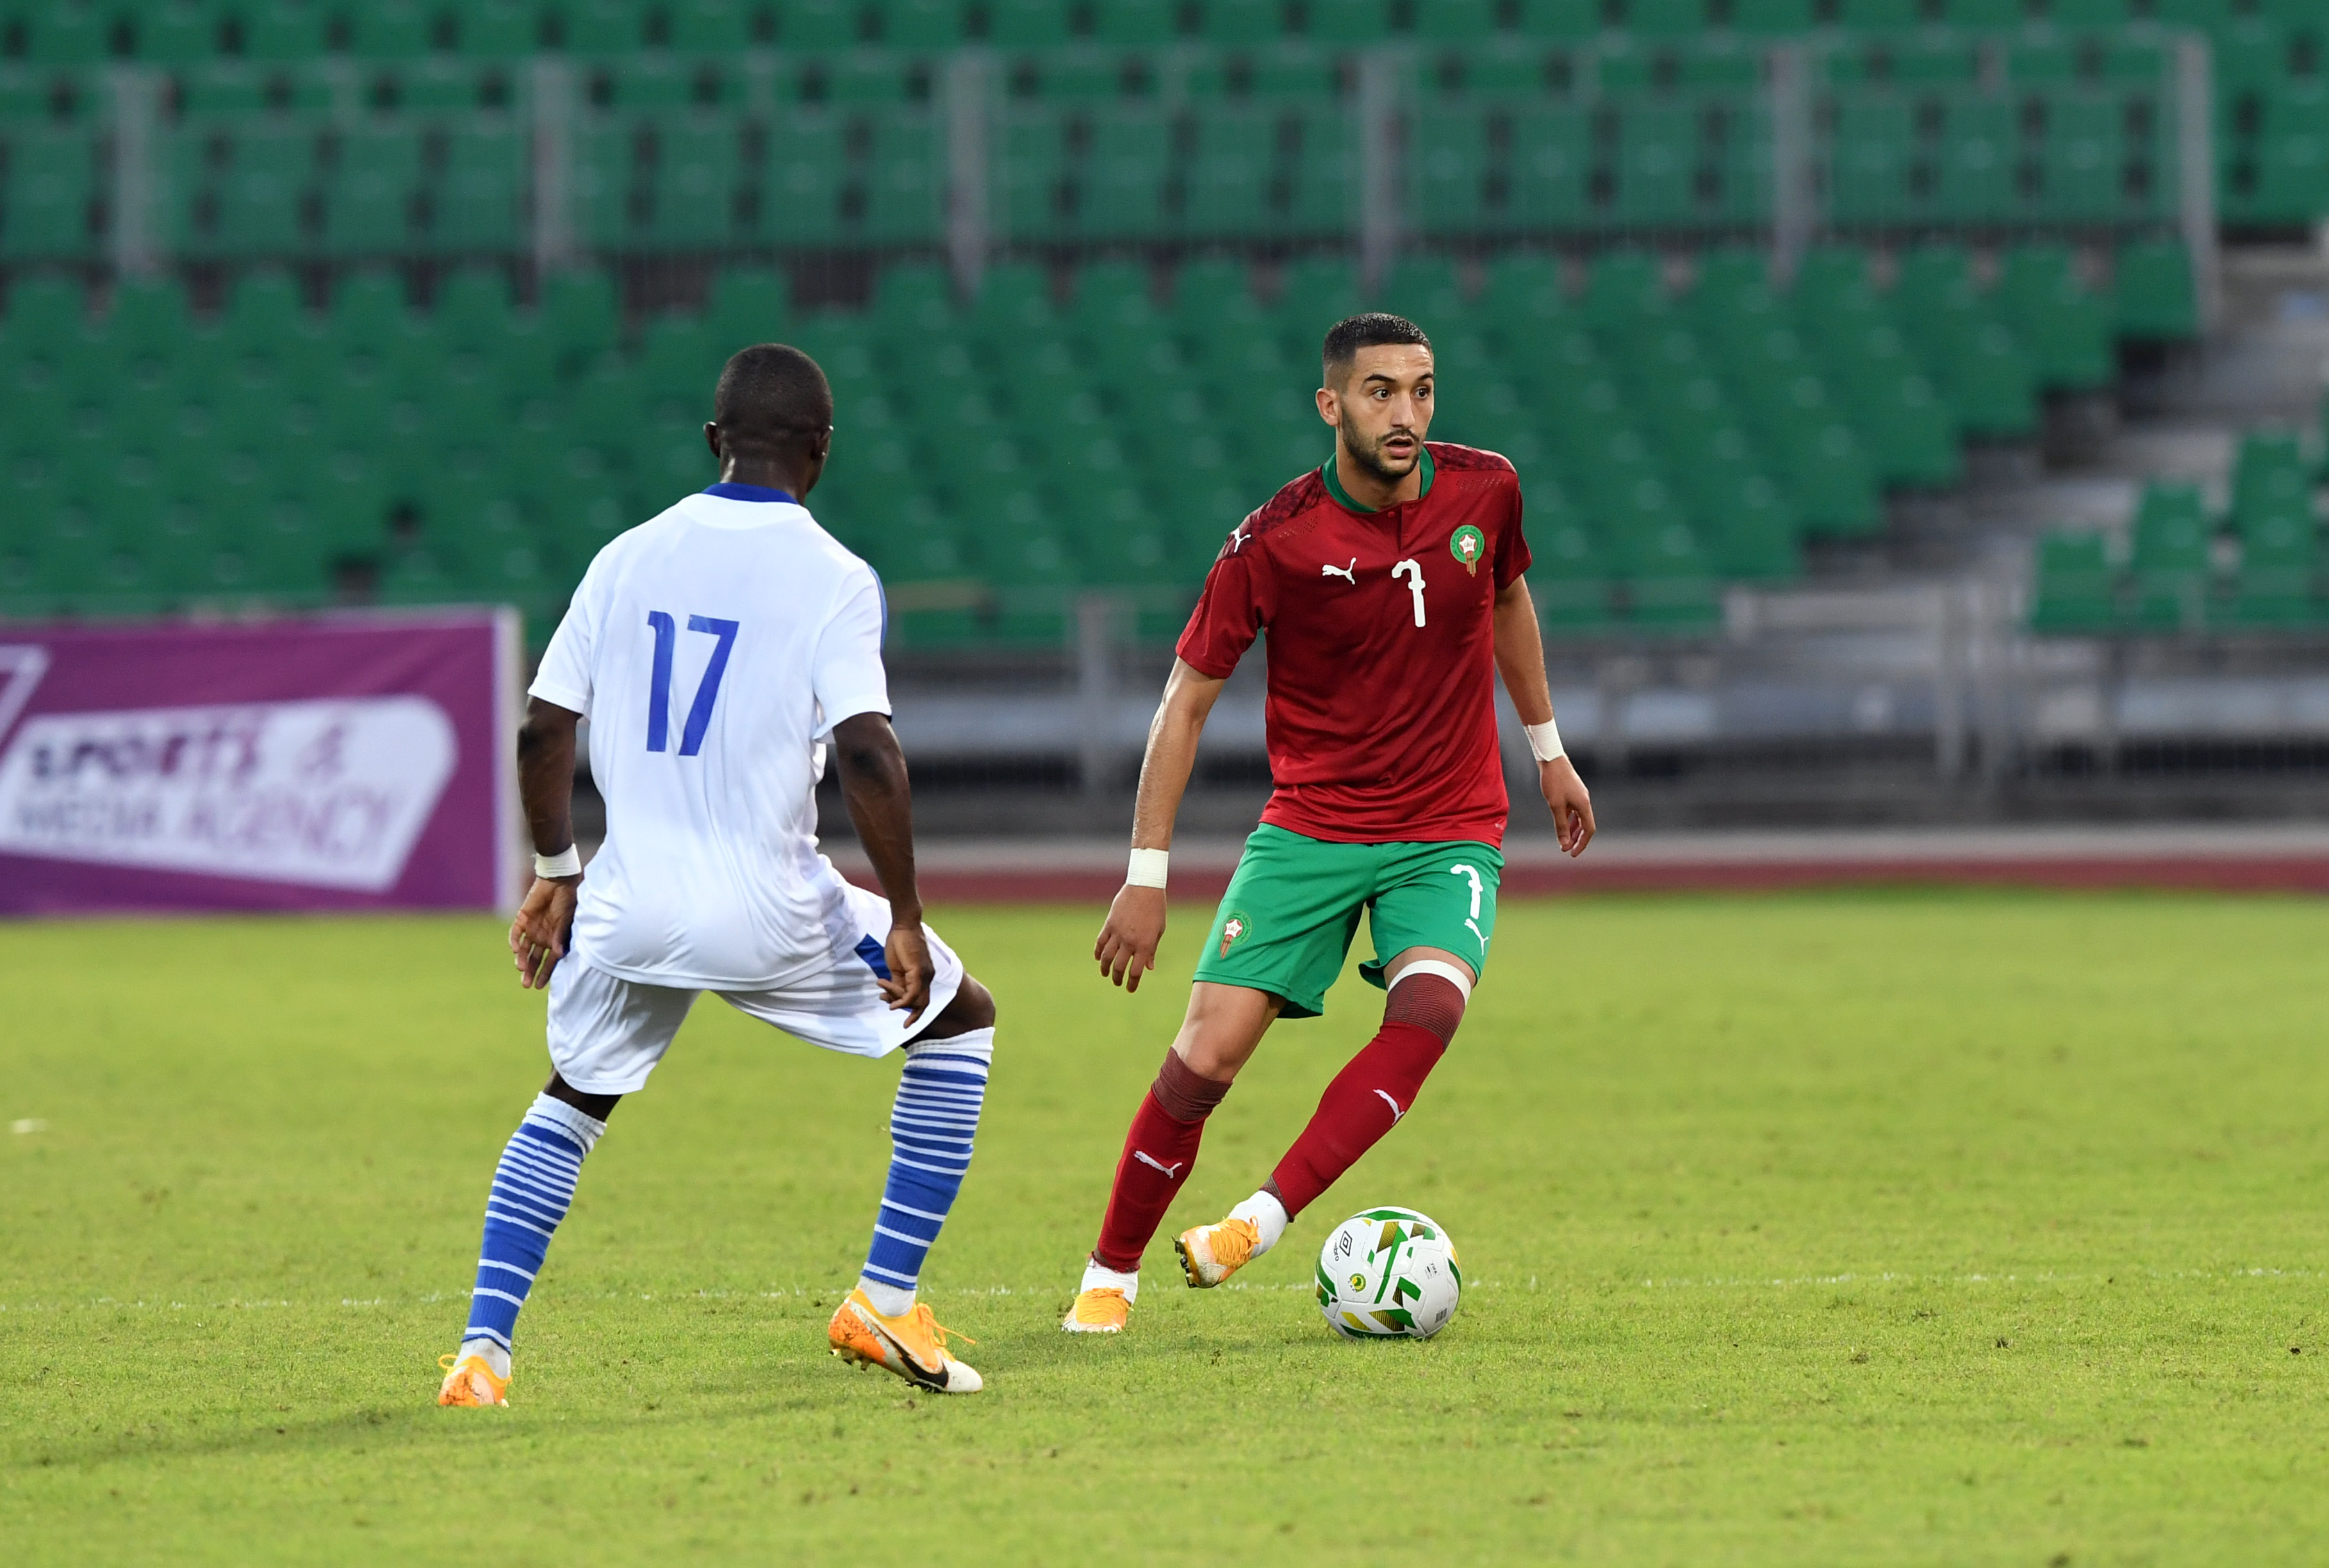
x=1389, y=582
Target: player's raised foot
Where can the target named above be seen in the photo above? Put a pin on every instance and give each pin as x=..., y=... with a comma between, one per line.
x=914, y=1347
x=469, y=1381
x=1100, y=1311
x=1211, y=1253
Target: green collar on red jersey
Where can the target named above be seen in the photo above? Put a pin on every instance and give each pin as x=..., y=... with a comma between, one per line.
x=1343, y=496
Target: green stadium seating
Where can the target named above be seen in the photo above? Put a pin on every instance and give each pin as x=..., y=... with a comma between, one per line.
x=146, y=314
x=2170, y=558
x=2067, y=326
x=922, y=24
x=177, y=32
x=472, y=306
x=2075, y=584
x=53, y=207
x=2152, y=292
x=2272, y=506
x=374, y=180
x=1989, y=381
x=1028, y=24
x=1689, y=440
x=580, y=309
x=750, y=305
x=500, y=30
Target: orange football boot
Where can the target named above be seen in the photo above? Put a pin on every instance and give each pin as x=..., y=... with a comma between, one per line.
x=1210, y=1254
x=469, y=1381
x=914, y=1347
x=1103, y=1310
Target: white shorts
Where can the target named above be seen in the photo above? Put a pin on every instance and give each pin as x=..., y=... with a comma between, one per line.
x=607, y=1034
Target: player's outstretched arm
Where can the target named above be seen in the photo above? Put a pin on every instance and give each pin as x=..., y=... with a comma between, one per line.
x=545, y=785
x=1126, y=947
x=881, y=801
x=1519, y=659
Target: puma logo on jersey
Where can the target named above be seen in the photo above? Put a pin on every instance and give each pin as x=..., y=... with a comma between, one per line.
x=1173, y=1170
x=1347, y=573
x=1237, y=539
x=1396, y=1113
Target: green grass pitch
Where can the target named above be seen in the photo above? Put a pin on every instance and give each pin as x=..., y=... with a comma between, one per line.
x=1883, y=1228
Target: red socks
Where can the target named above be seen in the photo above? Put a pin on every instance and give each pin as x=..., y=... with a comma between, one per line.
x=1365, y=1100
x=1159, y=1152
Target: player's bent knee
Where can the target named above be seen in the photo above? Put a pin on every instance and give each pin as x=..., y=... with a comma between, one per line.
x=973, y=1008
x=1426, y=999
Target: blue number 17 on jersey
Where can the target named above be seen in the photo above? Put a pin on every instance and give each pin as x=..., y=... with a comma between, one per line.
x=699, y=712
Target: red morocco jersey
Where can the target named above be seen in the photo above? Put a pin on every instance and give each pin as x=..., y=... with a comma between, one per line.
x=1381, y=710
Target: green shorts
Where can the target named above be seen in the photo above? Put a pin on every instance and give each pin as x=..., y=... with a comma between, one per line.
x=1293, y=908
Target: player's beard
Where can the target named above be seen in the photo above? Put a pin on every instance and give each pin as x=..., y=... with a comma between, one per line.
x=1370, y=455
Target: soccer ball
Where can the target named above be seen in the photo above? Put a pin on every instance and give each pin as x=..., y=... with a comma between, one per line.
x=1388, y=1274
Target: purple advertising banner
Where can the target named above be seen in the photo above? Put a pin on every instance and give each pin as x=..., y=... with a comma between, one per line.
x=340, y=762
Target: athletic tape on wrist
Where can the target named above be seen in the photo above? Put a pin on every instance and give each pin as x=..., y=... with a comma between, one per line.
x=1545, y=739
x=1148, y=868
x=567, y=862
x=1452, y=973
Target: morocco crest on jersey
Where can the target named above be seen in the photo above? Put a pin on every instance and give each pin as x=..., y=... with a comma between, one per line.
x=1233, y=931
x=1467, y=544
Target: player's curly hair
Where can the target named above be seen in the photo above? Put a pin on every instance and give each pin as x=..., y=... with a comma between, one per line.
x=771, y=399
x=1368, y=329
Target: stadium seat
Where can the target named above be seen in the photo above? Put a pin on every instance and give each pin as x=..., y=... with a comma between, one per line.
x=2272, y=504
x=1014, y=304
x=580, y=311
x=1122, y=187
x=2170, y=557
x=473, y=206
x=1425, y=290
x=373, y=180
x=906, y=183
x=1454, y=182
x=2066, y=326
x=913, y=302
x=1028, y=24
x=680, y=356
x=54, y=206
x=389, y=30
x=1466, y=22
x=2152, y=292
x=1228, y=178
x=1988, y=380
x=2074, y=590
x=177, y=33
x=145, y=314
x=750, y=305
x=1622, y=289
x=472, y=306
x=683, y=199
x=501, y=30
x=1314, y=295
x=368, y=310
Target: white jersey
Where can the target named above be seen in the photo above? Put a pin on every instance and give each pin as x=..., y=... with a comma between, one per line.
x=714, y=649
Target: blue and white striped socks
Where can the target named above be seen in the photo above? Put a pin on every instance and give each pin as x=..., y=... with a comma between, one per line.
x=533, y=1187
x=939, y=1095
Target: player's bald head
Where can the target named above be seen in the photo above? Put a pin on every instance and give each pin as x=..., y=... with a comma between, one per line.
x=773, y=401
x=1368, y=329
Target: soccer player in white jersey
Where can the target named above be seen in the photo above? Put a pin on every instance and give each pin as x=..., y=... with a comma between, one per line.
x=720, y=650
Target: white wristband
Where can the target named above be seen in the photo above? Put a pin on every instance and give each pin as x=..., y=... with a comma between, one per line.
x=1545, y=739
x=1148, y=868
x=567, y=862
